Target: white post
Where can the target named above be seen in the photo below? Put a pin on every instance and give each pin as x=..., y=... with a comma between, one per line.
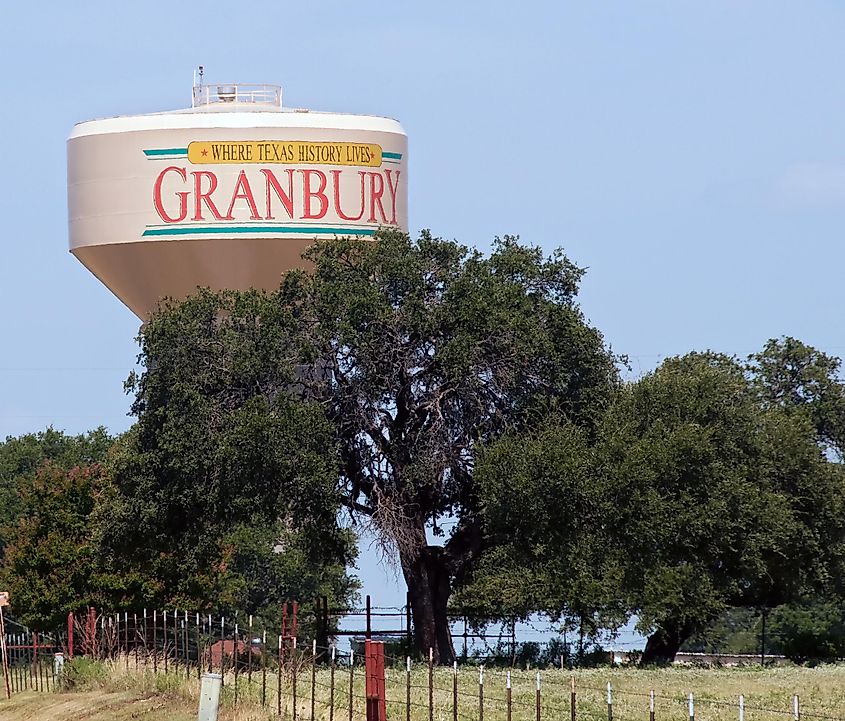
x=796, y=708
x=58, y=664
x=210, y=696
x=741, y=707
x=609, y=694
x=509, y=680
x=691, y=708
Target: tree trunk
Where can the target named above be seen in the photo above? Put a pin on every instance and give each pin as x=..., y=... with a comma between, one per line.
x=663, y=645
x=429, y=588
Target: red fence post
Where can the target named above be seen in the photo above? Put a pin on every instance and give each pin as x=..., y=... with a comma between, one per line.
x=376, y=696
x=91, y=640
x=70, y=635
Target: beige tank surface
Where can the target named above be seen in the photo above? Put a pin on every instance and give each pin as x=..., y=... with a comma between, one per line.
x=227, y=193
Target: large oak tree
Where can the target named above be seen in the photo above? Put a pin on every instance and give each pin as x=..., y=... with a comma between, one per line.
x=414, y=352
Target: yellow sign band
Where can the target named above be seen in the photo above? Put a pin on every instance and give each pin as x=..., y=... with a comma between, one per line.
x=288, y=152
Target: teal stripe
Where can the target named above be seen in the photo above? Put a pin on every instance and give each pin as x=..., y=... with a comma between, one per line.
x=188, y=230
x=395, y=156
x=166, y=151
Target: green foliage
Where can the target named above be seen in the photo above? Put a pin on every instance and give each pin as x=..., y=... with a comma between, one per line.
x=225, y=467
x=728, y=499
x=82, y=673
x=52, y=563
x=800, y=379
x=21, y=457
x=810, y=631
x=367, y=381
x=543, y=504
x=696, y=494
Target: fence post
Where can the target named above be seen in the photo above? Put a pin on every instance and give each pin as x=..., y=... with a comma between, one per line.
x=481, y=693
x=796, y=708
x=572, y=698
x=741, y=707
x=331, y=683
x=249, y=673
x=294, y=671
x=538, y=696
x=70, y=635
x=691, y=708
x=375, y=687
x=264, y=667
x=5, y=654
x=279, y=688
x=508, y=697
x=609, y=702
x=209, y=696
x=313, y=675
x=126, y=637
x=164, y=640
x=351, y=679
x=454, y=691
x=407, y=688
x=430, y=684
x=235, y=643
x=651, y=705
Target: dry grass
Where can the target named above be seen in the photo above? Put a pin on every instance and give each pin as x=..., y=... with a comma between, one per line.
x=111, y=693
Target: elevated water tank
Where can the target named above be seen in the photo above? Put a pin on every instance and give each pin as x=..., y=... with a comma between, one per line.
x=226, y=193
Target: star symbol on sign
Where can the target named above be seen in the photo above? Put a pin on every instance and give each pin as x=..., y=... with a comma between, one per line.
x=204, y=152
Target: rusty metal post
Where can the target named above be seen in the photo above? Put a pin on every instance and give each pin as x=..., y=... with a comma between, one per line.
x=294, y=671
x=375, y=686
x=70, y=635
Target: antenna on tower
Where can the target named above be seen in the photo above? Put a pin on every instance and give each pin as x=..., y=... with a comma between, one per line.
x=196, y=90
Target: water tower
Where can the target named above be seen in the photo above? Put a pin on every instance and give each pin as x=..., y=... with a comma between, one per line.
x=227, y=193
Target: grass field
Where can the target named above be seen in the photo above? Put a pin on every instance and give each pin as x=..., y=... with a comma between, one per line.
x=108, y=692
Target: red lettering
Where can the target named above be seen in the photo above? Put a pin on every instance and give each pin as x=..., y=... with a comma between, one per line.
x=200, y=195
x=181, y=194
x=393, y=192
x=243, y=191
x=308, y=194
x=375, y=197
x=338, y=209
x=286, y=198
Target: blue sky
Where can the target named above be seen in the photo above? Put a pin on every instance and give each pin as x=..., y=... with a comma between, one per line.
x=691, y=153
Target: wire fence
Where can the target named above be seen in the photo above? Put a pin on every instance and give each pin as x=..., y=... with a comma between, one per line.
x=268, y=667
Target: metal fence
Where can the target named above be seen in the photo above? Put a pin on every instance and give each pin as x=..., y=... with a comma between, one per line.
x=268, y=667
